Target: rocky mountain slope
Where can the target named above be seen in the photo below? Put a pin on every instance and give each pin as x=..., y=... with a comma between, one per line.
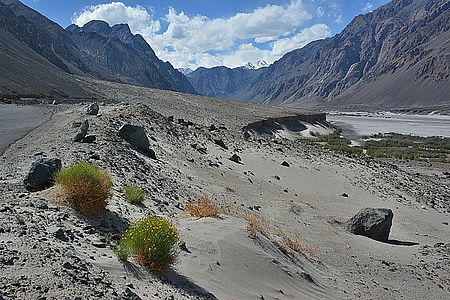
x=396, y=56
x=127, y=55
x=223, y=82
x=119, y=56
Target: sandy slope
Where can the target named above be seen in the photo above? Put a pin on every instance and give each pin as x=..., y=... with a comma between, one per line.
x=222, y=262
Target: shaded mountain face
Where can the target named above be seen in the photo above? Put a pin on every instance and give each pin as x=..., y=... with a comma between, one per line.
x=32, y=61
x=397, y=56
x=98, y=51
x=127, y=55
x=222, y=82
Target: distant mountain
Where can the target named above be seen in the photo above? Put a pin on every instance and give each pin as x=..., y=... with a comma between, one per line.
x=396, y=56
x=96, y=50
x=185, y=71
x=222, y=82
x=256, y=65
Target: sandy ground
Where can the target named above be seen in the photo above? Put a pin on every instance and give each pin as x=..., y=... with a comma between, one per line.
x=302, y=201
x=16, y=121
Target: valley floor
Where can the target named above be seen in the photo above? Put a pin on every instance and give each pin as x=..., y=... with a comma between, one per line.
x=303, y=201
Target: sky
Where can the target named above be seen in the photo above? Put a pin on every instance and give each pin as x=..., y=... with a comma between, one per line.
x=195, y=33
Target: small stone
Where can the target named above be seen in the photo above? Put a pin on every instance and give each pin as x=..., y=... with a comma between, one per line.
x=236, y=158
x=220, y=143
x=81, y=133
x=344, y=195
x=89, y=139
x=285, y=164
x=93, y=109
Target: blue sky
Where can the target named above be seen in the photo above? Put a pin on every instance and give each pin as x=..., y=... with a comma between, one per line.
x=199, y=33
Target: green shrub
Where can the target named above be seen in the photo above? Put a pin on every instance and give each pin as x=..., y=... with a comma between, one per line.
x=134, y=194
x=85, y=187
x=347, y=149
x=152, y=242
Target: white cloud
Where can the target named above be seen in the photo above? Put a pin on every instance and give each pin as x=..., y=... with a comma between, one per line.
x=192, y=41
x=315, y=32
x=137, y=17
x=368, y=7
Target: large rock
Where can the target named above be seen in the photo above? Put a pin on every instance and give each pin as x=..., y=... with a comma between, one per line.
x=41, y=173
x=136, y=136
x=374, y=223
x=93, y=109
x=81, y=133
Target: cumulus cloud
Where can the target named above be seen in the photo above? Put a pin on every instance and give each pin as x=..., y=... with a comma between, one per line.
x=137, y=17
x=190, y=41
x=302, y=38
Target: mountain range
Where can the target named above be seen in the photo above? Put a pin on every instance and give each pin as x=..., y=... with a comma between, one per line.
x=396, y=56
x=95, y=50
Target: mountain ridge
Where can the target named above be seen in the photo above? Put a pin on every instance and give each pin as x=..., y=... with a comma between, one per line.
x=394, y=57
x=121, y=57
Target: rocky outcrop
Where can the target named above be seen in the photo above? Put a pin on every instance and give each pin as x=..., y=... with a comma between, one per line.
x=374, y=223
x=41, y=173
x=293, y=123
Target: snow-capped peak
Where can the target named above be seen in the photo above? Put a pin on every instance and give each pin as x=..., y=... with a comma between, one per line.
x=256, y=65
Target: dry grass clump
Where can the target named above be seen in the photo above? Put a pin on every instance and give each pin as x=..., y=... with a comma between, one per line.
x=255, y=224
x=152, y=243
x=85, y=187
x=202, y=208
x=292, y=243
x=133, y=194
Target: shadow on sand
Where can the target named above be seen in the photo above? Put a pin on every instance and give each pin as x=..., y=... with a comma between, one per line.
x=171, y=277
x=401, y=243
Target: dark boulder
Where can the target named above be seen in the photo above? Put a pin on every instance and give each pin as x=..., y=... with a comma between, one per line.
x=89, y=139
x=136, y=136
x=285, y=164
x=374, y=223
x=93, y=109
x=41, y=173
x=81, y=133
x=236, y=158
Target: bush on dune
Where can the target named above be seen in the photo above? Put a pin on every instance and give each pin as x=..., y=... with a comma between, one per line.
x=152, y=243
x=85, y=187
x=134, y=194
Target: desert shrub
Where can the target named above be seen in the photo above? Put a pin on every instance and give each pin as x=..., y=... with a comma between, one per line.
x=134, y=194
x=292, y=244
x=152, y=242
x=202, y=208
x=85, y=187
x=255, y=224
